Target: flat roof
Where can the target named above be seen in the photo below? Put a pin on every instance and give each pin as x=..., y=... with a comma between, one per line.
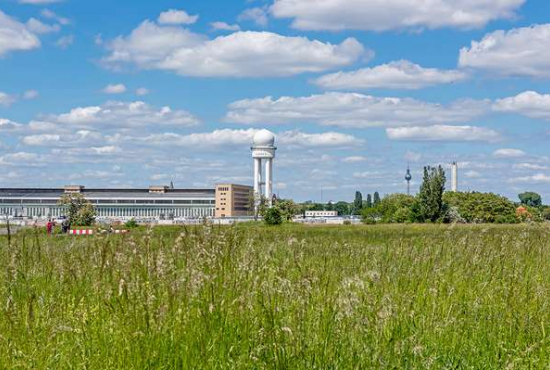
x=107, y=193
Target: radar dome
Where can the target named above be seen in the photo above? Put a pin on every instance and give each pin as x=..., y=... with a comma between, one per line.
x=264, y=138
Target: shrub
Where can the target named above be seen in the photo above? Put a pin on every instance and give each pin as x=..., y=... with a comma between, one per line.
x=481, y=207
x=273, y=216
x=132, y=224
x=370, y=216
x=546, y=214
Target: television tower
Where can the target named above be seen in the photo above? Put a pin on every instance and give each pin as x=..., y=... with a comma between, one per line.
x=408, y=177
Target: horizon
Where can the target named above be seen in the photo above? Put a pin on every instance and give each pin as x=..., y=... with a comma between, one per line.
x=94, y=94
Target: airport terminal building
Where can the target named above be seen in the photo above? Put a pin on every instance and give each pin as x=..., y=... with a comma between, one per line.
x=154, y=203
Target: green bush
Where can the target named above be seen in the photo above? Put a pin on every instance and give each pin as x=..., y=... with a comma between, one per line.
x=132, y=224
x=273, y=216
x=482, y=207
x=546, y=214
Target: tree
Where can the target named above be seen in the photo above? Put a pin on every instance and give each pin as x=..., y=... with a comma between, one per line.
x=429, y=202
x=481, y=207
x=376, y=200
x=329, y=206
x=80, y=212
x=395, y=208
x=288, y=208
x=530, y=199
x=273, y=216
x=371, y=215
x=358, y=203
x=342, y=208
x=369, y=201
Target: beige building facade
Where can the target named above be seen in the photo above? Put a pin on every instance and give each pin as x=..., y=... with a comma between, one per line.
x=234, y=200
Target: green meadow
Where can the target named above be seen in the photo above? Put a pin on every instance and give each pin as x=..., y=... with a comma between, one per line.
x=290, y=297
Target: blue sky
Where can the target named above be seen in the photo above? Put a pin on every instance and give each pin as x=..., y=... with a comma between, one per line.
x=133, y=93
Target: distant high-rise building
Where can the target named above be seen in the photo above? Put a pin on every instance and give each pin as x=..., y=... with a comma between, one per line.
x=454, y=177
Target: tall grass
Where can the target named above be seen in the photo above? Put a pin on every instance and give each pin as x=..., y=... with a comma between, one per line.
x=419, y=297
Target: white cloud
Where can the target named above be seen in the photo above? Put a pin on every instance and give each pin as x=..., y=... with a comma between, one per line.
x=174, y=16
x=15, y=36
x=35, y=26
x=354, y=159
x=41, y=140
x=537, y=178
x=65, y=41
x=39, y=2
x=509, y=153
x=7, y=125
x=258, y=15
x=114, y=89
x=115, y=115
x=519, y=52
x=472, y=174
x=48, y=14
x=528, y=103
x=241, y=137
x=382, y=15
x=142, y=91
x=352, y=110
x=530, y=166
x=30, y=94
x=443, y=133
x=6, y=99
x=395, y=75
x=326, y=139
x=241, y=54
x=412, y=156
x=222, y=26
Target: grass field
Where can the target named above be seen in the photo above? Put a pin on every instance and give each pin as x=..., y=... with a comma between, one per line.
x=295, y=297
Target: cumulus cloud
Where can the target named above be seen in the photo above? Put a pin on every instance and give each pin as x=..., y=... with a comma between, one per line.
x=6, y=99
x=509, y=153
x=354, y=159
x=41, y=140
x=222, y=26
x=15, y=36
x=174, y=16
x=443, y=133
x=114, y=115
x=326, y=139
x=243, y=137
x=142, y=91
x=39, y=2
x=382, y=15
x=114, y=89
x=534, y=179
x=352, y=110
x=258, y=15
x=30, y=94
x=48, y=14
x=65, y=41
x=395, y=75
x=240, y=54
x=7, y=125
x=34, y=25
x=518, y=52
x=529, y=103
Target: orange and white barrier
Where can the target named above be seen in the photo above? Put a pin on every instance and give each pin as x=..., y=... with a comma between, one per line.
x=81, y=232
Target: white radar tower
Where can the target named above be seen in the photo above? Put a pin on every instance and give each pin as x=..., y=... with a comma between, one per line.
x=263, y=152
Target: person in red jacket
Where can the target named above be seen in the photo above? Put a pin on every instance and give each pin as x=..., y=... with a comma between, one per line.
x=49, y=227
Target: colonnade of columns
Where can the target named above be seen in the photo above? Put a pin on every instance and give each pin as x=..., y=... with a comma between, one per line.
x=259, y=180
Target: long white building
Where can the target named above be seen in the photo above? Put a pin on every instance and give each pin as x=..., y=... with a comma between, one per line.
x=157, y=202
